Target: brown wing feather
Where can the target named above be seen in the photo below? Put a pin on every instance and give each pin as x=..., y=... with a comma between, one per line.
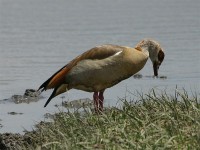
x=99, y=52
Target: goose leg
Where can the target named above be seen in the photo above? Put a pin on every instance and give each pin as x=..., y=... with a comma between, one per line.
x=101, y=98
x=96, y=101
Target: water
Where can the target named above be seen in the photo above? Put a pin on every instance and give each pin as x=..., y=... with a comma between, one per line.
x=39, y=37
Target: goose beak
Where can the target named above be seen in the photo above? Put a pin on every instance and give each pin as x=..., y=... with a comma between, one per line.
x=155, y=68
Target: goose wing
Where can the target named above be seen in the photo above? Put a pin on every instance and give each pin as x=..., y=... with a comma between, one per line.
x=98, y=52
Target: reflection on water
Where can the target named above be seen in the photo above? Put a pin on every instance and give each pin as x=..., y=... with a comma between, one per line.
x=39, y=37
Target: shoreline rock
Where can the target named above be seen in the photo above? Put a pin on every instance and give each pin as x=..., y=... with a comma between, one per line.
x=30, y=95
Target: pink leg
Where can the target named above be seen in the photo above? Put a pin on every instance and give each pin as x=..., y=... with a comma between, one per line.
x=96, y=101
x=101, y=98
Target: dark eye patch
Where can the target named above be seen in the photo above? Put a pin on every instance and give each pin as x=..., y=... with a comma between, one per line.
x=161, y=55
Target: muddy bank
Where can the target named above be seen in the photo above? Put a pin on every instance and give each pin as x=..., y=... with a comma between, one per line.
x=30, y=140
x=14, y=141
x=34, y=139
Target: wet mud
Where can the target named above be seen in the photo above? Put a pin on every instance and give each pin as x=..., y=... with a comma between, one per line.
x=139, y=76
x=16, y=141
x=30, y=95
x=86, y=102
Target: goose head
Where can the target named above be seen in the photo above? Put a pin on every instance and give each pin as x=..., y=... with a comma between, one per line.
x=155, y=52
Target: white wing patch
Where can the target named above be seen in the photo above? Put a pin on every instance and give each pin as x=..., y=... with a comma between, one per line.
x=117, y=53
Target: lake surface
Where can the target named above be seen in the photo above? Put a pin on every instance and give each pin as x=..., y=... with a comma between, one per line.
x=39, y=37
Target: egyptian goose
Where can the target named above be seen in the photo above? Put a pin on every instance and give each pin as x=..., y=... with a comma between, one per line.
x=102, y=67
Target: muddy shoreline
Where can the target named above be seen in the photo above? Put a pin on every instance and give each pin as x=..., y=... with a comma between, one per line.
x=31, y=139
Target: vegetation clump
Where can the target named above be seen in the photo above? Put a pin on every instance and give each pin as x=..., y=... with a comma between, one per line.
x=154, y=121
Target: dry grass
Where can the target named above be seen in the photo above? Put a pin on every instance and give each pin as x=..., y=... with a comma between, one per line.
x=155, y=121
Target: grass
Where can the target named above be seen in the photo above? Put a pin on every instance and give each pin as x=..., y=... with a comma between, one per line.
x=154, y=121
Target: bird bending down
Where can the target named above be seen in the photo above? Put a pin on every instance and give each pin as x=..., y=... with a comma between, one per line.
x=102, y=67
